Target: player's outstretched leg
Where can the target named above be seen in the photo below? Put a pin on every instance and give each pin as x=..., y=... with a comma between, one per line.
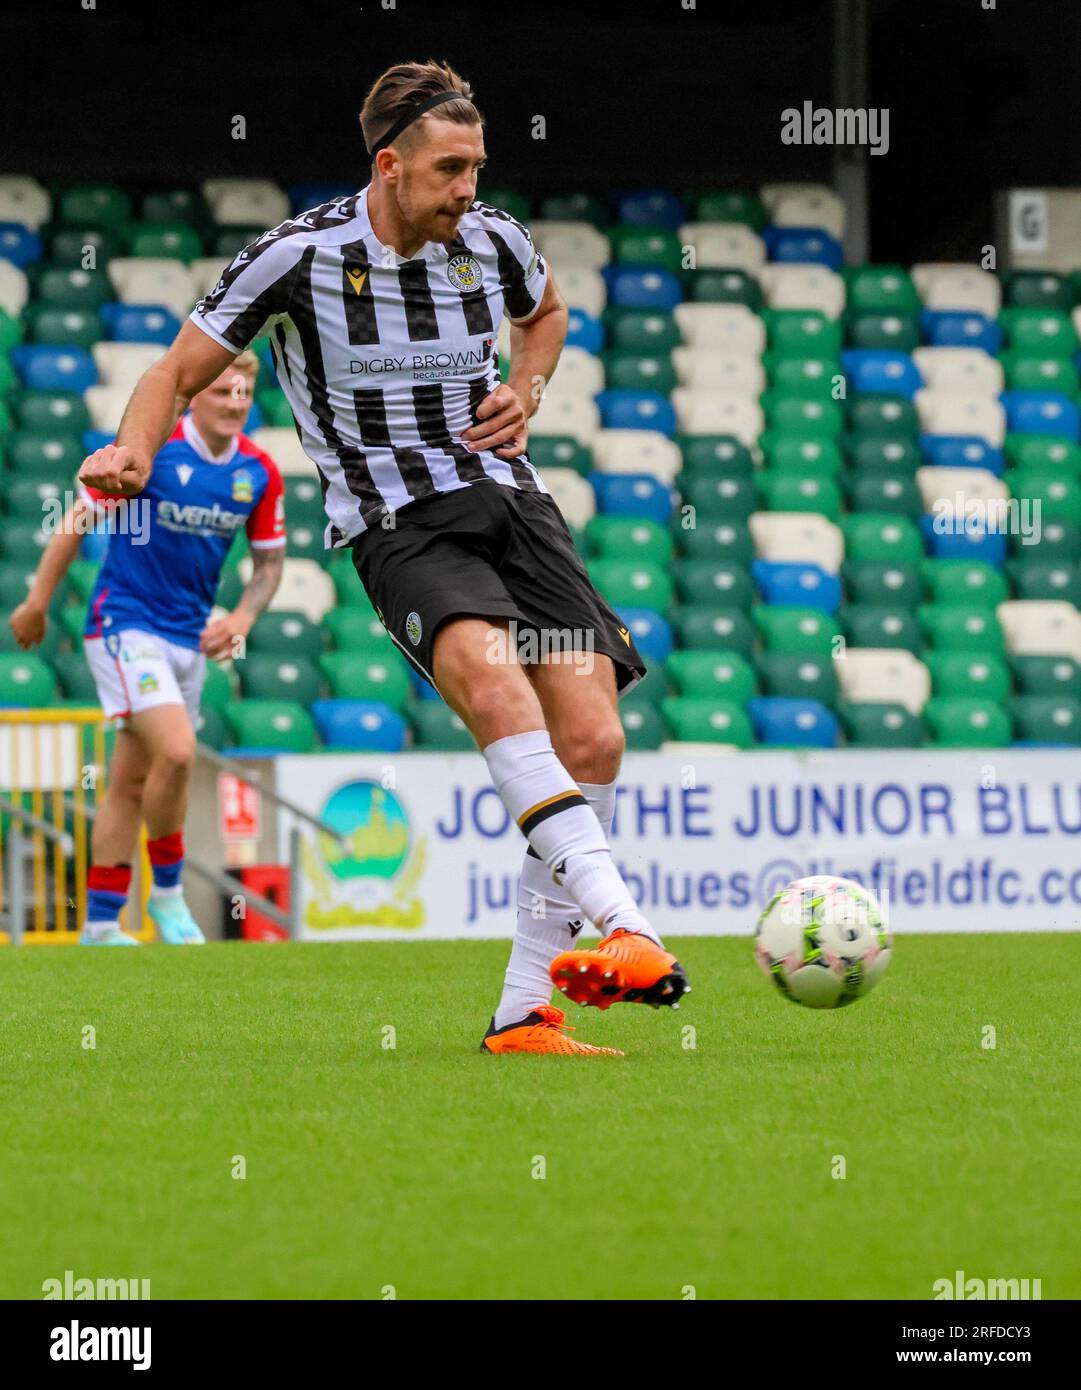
x=169, y=740
x=116, y=830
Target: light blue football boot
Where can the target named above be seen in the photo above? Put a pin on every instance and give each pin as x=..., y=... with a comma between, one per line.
x=113, y=937
x=175, y=922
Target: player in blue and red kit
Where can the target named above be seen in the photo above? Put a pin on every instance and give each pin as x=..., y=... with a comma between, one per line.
x=147, y=637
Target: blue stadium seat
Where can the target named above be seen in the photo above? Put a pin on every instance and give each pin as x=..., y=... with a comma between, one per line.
x=636, y=410
x=959, y=328
x=421, y=688
x=1042, y=412
x=19, y=244
x=803, y=723
x=877, y=369
x=800, y=586
x=584, y=331
x=366, y=724
x=962, y=451
x=633, y=494
x=43, y=368
x=652, y=207
x=803, y=246
x=652, y=634
x=97, y=439
x=255, y=418
x=303, y=196
x=630, y=288
x=139, y=323
x=963, y=543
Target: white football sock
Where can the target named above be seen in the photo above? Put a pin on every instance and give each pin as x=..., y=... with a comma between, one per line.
x=562, y=828
x=548, y=922
x=175, y=891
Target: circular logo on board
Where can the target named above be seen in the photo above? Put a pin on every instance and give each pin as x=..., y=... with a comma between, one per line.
x=413, y=628
x=464, y=272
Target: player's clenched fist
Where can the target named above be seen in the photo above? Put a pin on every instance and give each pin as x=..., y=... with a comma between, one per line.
x=114, y=469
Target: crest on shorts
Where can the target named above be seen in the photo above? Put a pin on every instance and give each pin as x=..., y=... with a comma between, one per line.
x=413, y=628
x=242, y=486
x=147, y=684
x=464, y=272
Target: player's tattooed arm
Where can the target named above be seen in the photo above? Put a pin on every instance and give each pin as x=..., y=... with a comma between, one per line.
x=224, y=636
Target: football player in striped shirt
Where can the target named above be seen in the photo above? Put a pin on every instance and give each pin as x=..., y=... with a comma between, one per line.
x=383, y=309
x=148, y=634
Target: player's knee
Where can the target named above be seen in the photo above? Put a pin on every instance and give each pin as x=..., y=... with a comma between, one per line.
x=592, y=749
x=176, y=757
x=497, y=698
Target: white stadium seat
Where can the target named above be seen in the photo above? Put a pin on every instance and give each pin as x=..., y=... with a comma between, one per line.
x=704, y=412
x=884, y=676
x=571, y=244
x=637, y=451
x=122, y=364
x=798, y=538
x=153, y=280
x=772, y=193
x=804, y=287
x=724, y=246
x=579, y=373
x=560, y=412
x=730, y=373
x=22, y=199
x=1041, y=627
x=573, y=495
x=942, y=412
x=583, y=289
x=960, y=371
x=106, y=405
x=15, y=288
x=246, y=202
x=813, y=207
x=283, y=446
x=305, y=588
x=206, y=271
x=943, y=490
x=958, y=285
x=721, y=328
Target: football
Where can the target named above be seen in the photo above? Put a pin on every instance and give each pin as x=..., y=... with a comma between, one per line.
x=823, y=941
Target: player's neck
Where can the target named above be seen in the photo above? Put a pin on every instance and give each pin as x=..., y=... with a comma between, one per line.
x=387, y=223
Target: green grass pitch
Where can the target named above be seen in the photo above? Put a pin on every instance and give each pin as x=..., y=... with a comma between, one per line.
x=413, y=1168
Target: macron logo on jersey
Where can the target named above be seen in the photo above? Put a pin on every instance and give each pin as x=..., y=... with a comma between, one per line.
x=204, y=521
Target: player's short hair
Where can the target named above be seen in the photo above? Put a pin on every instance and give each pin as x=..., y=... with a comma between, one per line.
x=398, y=90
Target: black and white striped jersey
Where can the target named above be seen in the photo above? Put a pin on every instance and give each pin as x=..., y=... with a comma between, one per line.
x=383, y=360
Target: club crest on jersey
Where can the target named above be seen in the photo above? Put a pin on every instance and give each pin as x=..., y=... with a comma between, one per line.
x=464, y=272
x=241, y=486
x=413, y=628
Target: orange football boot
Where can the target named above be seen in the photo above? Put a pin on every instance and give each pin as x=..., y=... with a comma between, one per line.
x=541, y=1031
x=626, y=968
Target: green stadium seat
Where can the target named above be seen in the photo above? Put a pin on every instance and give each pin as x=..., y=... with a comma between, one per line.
x=1038, y=332
x=793, y=492
x=803, y=415
x=643, y=726
x=1042, y=374
x=72, y=622
x=360, y=675
x=303, y=501
x=560, y=451
x=277, y=412
x=76, y=682
x=895, y=494
x=69, y=247
x=881, y=625
x=169, y=240
x=713, y=455
x=351, y=630
x=575, y=207
x=731, y=207
x=883, y=332
x=867, y=581
x=728, y=497
x=955, y=722
x=880, y=289
x=286, y=635
x=12, y=330
x=1037, y=289
x=715, y=628
x=506, y=199
x=631, y=371
x=73, y=288
x=729, y=542
x=797, y=453
x=102, y=205
x=437, y=727
x=26, y=681
x=869, y=725
x=804, y=630
x=177, y=205
x=211, y=729
x=726, y=286
x=639, y=330
x=276, y=725
x=35, y=501
x=799, y=676
x=654, y=247
x=884, y=454
x=872, y=537
x=964, y=581
x=21, y=542
x=48, y=412
x=1047, y=675
x=875, y=413
x=51, y=455
x=963, y=627
x=218, y=687
x=82, y=576
x=63, y=327
x=1043, y=453
x=632, y=583
x=713, y=675
x=802, y=333
x=350, y=592
x=1047, y=718
x=629, y=538
x=708, y=721
x=230, y=588
x=714, y=582
x=304, y=541
x=1046, y=579
x=1059, y=494
x=973, y=675
x=813, y=377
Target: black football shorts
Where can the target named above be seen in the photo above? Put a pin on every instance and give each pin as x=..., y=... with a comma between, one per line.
x=489, y=551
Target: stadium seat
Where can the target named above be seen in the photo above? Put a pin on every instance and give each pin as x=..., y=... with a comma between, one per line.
x=270, y=726
x=975, y=675
x=268, y=676
x=438, y=728
x=792, y=723
x=803, y=630
x=880, y=626
x=798, y=538
x=798, y=676
x=713, y=675
x=285, y=634
x=881, y=726
x=958, y=722
x=636, y=451
x=1047, y=719
x=360, y=725
x=708, y=721
x=26, y=681
x=715, y=628
x=878, y=676
x=652, y=633
x=1041, y=628
x=1046, y=675
x=964, y=627
x=643, y=726
x=632, y=494
x=362, y=675
x=797, y=585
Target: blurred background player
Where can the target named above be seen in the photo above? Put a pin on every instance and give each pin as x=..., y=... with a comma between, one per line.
x=148, y=637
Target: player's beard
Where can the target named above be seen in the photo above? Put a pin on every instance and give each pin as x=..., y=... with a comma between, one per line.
x=427, y=222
